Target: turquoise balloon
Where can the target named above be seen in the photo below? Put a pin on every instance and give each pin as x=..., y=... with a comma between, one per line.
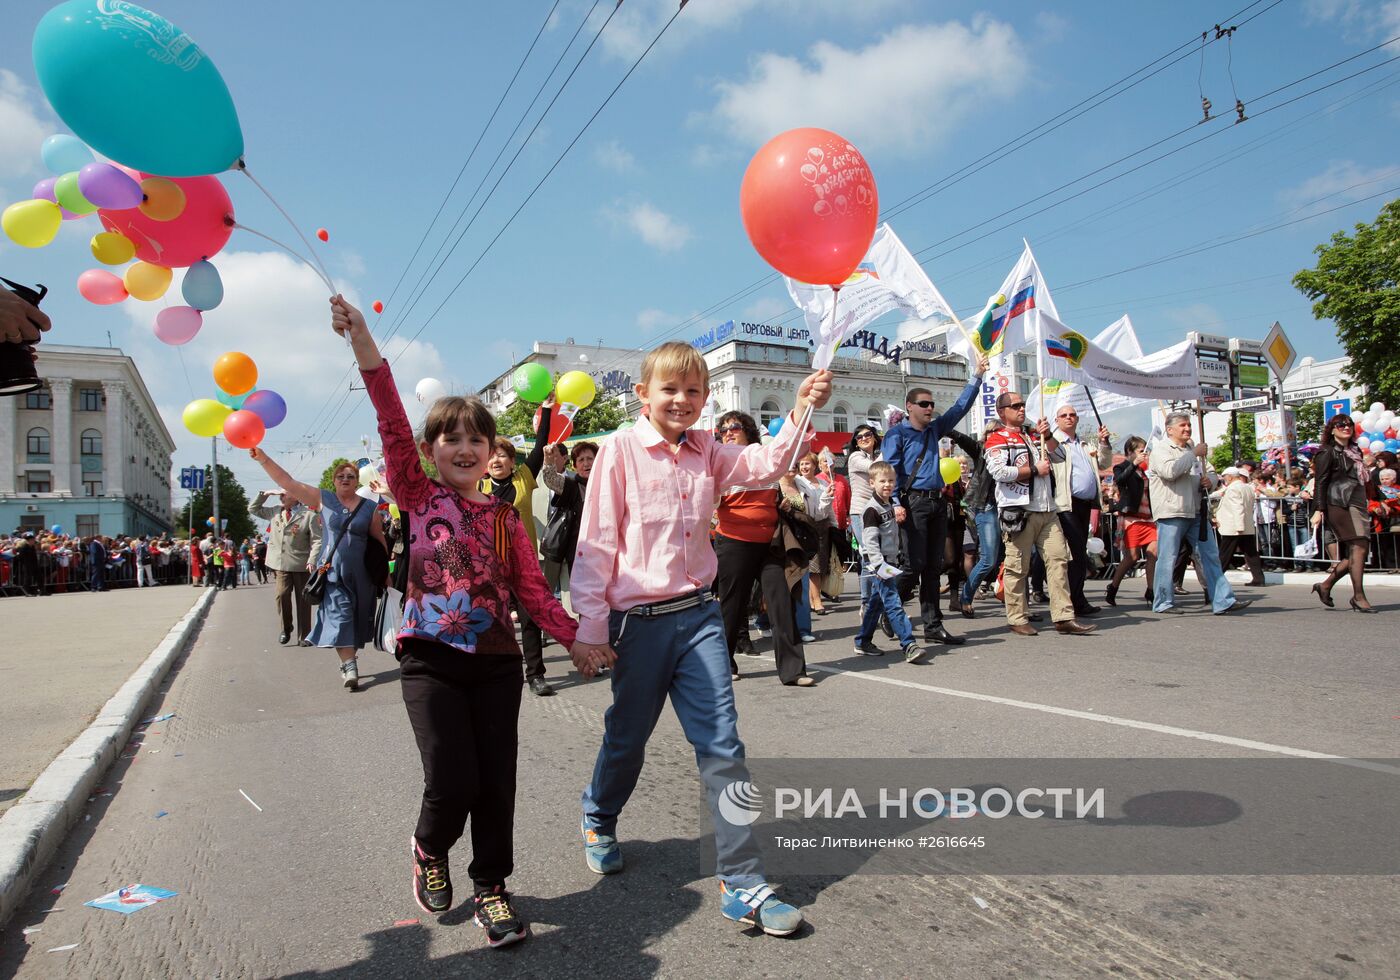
x=202, y=288
x=136, y=88
x=234, y=402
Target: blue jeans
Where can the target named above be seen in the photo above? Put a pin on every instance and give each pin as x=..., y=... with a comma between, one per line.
x=681, y=655
x=989, y=551
x=802, y=615
x=1170, y=533
x=857, y=528
x=884, y=595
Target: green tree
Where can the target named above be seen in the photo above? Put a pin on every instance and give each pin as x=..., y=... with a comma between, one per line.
x=1357, y=285
x=604, y=415
x=233, y=507
x=327, y=476
x=1223, y=455
x=1307, y=420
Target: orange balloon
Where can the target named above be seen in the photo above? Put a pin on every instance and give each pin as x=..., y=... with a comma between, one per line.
x=810, y=206
x=164, y=200
x=235, y=373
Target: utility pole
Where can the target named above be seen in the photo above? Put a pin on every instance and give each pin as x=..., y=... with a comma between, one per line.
x=214, y=477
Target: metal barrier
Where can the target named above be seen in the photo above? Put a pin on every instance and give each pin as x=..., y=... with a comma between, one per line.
x=76, y=576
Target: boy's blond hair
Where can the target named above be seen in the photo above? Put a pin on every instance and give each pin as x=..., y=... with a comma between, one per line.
x=675, y=359
x=881, y=468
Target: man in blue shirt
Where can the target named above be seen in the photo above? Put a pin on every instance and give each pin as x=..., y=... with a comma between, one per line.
x=911, y=447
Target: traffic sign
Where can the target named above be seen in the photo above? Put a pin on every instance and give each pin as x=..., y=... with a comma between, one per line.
x=1335, y=406
x=1253, y=375
x=1303, y=395
x=192, y=478
x=1212, y=396
x=1259, y=404
x=1279, y=351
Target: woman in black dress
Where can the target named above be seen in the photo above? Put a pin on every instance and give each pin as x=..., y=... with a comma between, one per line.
x=1341, y=488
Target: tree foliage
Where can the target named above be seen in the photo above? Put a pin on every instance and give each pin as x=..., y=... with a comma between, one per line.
x=328, y=475
x=1223, y=455
x=604, y=415
x=1356, y=283
x=233, y=507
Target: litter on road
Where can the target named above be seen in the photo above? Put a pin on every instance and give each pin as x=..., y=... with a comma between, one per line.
x=250, y=800
x=64, y=949
x=980, y=904
x=407, y=922
x=27, y=930
x=165, y=717
x=132, y=898
x=163, y=813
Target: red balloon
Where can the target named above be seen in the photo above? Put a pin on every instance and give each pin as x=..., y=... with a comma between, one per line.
x=809, y=204
x=196, y=233
x=378, y=307
x=244, y=429
x=560, y=428
x=322, y=234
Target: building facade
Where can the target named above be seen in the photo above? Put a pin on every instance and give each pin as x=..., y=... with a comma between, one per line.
x=613, y=369
x=88, y=451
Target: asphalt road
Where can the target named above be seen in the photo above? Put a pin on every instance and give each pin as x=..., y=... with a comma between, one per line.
x=314, y=882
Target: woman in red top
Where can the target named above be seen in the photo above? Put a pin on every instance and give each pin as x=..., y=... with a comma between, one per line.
x=1135, y=517
x=748, y=519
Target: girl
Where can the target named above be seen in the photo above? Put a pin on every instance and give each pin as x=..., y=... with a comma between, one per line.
x=468, y=555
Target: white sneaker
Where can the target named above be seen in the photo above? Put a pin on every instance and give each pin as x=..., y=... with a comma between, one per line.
x=350, y=673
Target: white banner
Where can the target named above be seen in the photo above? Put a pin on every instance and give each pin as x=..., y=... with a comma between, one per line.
x=889, y=279
x=1166, y=375
x=1118, y=339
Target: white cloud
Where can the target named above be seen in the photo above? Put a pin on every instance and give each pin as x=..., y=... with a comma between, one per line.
x=766, y=308
x=654, y=226
x=903, y=93
x=22, y=129
x=614, y=156
x=1051, y=27
x=652, y=319
x=1359, y=19
x=274, y=311
x=1343, y=180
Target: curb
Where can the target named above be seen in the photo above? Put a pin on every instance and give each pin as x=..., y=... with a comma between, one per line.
x=33, y=828
x=1241, y=577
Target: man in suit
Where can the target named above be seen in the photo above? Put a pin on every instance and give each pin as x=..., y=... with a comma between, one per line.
x=293, y=545
x=97, y=564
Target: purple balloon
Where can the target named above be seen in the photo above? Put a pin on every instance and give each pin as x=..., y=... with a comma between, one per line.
x=178, y=325
x=107, y=187
x=268, y=406
x=44, y=191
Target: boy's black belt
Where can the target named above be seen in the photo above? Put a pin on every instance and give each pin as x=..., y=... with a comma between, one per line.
x=688, y=601
x=912, y=492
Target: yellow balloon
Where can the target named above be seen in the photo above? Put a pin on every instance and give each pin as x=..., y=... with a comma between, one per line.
x=164, y=199
x=112, y=248
x=146, y=281
x=576, y=388
x=32, y=224
x=950, y=469
x=205, y=417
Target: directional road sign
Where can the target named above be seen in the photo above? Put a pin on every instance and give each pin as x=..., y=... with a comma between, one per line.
x=1259, y=404
x=1303, y=395
x=192, y=478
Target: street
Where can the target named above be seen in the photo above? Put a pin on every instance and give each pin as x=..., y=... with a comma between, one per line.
x=288, y=805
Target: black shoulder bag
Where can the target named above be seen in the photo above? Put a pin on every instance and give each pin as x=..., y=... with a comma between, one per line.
x=315, y=589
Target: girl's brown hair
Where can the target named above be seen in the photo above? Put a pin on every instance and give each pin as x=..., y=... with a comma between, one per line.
x=471, y=412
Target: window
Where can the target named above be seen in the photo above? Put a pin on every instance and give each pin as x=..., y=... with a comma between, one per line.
x=1024, y=364
x=92, y=488
x=40, y=399
x=937, y=369
x=91, y=443
x=840, y=419
x=770, y=411
x=89, y=399
x=36, y=446
x=88, y=525
x=875, y=415
x=38, y=483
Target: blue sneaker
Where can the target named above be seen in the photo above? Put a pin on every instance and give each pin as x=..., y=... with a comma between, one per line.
x=601, y=852
x=761, y=908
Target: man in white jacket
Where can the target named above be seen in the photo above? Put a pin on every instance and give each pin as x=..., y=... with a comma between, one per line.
x=1178, y=477
x=1234, y=518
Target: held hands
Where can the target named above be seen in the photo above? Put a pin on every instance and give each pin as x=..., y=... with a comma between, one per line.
x=814, y=392
x=589, y=658
x=556, y=456
x=1042, y=467
x=1042, y=429
x=982, y=366
x=346, y=320
x=900, y=514
x=1317, y=518
x=1103, y=433
x=20, y=321
x=1202, y=450
x=260, y=457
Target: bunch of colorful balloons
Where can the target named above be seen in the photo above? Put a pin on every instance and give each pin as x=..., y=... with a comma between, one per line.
x=240, y=412
x=1377, y=429
x=574, y=392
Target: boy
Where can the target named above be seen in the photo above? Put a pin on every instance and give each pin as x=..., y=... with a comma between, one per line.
x=879, y=544
x=642, y=591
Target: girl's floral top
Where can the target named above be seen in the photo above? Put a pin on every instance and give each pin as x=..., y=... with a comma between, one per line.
x=465, y=559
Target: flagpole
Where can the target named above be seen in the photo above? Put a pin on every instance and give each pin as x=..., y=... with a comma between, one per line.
x=1088, y=391
x=807, y=413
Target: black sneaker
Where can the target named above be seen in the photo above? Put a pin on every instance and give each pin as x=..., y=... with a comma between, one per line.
x=744, y=646
x=432, y=885
x=885, y=626
x=495, y=915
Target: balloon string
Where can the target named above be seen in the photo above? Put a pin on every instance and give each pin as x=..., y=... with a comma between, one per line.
x=807, y=412
x=325, y=273
x=289, y=250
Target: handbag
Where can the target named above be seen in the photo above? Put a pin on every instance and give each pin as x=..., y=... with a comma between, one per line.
x=315, y=588
x=388, y=612
x=1309, y=548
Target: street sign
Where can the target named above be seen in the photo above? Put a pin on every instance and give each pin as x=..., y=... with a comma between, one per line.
x=1303, y=395
x=1213, y=372
x=192, y=478
x=1253, y=375
x=1279, y=351
x=1259, y=404
x=1212, y=397
x=1335, y=406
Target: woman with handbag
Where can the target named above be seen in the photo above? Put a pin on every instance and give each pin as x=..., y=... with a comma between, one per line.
x=569, y=488
x=748, y=548
x=1134, y=516
x=1342, y=488
x=345, y=612
x=818, y=496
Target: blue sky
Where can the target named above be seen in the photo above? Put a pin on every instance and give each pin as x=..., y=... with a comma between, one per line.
x=358, y=120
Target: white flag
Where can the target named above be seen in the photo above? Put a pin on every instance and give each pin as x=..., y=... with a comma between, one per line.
x=1168, y=374
x=1015, y=323
x=1118, y=339
x=889, y=278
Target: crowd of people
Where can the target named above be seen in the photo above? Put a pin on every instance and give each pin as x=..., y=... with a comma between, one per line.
x=40, y=563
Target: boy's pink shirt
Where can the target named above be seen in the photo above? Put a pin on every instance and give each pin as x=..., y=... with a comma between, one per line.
x=645, y=533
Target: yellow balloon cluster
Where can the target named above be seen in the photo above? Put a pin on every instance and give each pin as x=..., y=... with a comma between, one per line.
x=112, y=248
x=146, y=281
x=205, y=417
x=32, y=224
x=575, y=388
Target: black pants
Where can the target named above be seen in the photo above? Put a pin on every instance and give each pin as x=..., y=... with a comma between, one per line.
x=925, y=529
x=1075, y=525
x=1245, y=545
x=531, y=641
x=465, y=713
x=740, y=564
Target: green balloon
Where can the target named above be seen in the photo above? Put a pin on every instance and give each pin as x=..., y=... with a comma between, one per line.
x=65, y=190
x=533, y=382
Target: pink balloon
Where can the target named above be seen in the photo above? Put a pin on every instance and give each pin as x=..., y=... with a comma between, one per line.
x=197, y=233
x=244, y=429
x=101, y=287
x=178, y=325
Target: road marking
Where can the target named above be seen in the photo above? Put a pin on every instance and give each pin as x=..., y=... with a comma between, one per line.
x=1146, y=726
